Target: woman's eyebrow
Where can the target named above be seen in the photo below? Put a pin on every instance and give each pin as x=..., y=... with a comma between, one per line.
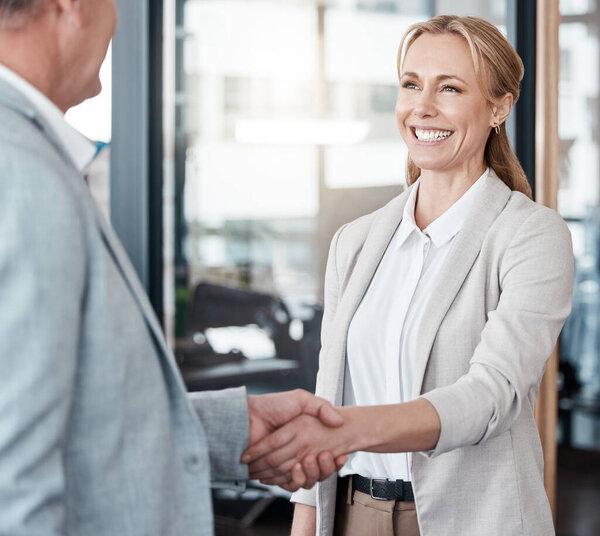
x=438, y=78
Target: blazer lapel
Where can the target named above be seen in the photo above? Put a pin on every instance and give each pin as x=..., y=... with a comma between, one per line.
x=378, y=238
x=457, y=265
x=131, y=279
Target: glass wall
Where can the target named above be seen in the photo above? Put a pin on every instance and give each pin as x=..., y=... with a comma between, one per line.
x=579, y=203
x=284, y=130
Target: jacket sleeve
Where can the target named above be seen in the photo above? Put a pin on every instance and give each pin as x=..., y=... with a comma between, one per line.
x=224, y=418
x=42, y=281
x=536, y=282
x=331, y=297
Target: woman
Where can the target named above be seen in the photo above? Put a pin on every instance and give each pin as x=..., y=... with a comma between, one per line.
x=441, y=310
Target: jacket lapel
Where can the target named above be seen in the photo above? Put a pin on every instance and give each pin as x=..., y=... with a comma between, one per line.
x=378, y=238
x=129, y=274
x=462, y=255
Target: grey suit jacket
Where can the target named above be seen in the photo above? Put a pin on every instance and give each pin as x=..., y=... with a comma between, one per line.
x=97, y=434
x=492, y=321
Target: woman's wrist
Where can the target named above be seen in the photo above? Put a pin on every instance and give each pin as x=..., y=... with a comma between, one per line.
x=362, y=427
x=305, y=520
x=406, y=427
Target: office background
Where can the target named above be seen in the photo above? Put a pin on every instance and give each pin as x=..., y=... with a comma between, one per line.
x=242, y=133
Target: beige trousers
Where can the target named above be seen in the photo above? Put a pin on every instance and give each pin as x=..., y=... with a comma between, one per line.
x=357, y=514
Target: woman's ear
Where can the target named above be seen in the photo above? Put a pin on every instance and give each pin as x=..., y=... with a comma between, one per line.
x=501, y=108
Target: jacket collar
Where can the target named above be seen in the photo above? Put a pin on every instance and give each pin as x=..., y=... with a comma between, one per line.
x=12, y=98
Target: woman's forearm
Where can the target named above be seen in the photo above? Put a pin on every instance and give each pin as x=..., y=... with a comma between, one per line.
x=305, y=520
x=407, y=427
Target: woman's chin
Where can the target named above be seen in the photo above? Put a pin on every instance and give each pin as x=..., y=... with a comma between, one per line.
x=427, y=164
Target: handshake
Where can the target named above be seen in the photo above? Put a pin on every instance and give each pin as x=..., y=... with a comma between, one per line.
x=296, y=439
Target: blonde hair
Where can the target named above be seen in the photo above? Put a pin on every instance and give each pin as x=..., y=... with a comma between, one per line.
x=499, y=71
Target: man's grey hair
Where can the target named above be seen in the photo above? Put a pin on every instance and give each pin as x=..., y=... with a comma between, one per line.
x=15, y=13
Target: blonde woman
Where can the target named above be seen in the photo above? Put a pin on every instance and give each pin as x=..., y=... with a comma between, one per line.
x=441, y=310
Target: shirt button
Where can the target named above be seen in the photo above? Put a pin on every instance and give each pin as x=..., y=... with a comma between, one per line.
x=193, y=463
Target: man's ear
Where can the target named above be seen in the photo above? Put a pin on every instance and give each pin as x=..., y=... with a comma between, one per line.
x=67, y=9
x=64, y=5
x=501, y=108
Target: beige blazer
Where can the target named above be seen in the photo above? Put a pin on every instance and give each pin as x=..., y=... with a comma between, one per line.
x=500, y=302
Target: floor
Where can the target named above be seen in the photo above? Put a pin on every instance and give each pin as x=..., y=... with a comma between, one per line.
x=578, y=508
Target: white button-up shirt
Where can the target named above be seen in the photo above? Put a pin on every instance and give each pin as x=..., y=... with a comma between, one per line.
x=383, y=333
x=79, y=148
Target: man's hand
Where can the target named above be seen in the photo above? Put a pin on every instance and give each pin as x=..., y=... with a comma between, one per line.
x=269, y=412
x=301, y=440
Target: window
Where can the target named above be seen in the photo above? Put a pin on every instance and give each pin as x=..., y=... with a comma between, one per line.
x=579, y=203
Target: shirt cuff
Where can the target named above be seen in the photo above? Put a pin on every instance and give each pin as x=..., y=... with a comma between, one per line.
x=305, y=496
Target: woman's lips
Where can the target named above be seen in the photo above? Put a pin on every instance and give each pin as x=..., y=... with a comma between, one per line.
x=430, y=136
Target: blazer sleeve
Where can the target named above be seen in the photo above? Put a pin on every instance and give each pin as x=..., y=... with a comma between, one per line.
x=536, y=282
x=42, y=282
x=331, y=296
x=224, y=418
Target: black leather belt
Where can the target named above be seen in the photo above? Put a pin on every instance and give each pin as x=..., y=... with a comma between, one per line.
x=383, y=489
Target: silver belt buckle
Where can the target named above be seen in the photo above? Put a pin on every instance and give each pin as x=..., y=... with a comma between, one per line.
x=371, y=480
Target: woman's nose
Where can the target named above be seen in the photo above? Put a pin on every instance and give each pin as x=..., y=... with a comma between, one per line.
x=425, y=105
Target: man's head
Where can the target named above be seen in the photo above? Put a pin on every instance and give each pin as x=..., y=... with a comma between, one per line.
x=14, y=13
x=57, y=45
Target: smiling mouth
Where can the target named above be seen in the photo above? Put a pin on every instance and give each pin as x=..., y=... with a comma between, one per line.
x=431, y=135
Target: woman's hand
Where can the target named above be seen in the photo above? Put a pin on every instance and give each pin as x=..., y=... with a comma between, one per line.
x=269, y=412
x=305, y=440
x=307, y=473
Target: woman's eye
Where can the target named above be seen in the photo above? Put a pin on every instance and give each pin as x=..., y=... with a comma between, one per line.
x=451, y=89
x=409, y=85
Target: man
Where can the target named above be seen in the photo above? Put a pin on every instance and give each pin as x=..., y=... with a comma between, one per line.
x=97, y=434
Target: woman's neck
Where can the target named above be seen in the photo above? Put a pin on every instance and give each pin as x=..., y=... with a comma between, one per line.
x=439, y=191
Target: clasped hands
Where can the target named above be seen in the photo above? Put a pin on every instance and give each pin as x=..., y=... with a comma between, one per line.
x=296, y=439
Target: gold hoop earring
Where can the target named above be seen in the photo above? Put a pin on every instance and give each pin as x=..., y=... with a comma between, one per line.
x=497, y=129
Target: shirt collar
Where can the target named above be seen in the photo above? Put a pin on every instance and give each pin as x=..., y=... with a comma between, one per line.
x=80, y=149
x=445, y=227
x=408, y=224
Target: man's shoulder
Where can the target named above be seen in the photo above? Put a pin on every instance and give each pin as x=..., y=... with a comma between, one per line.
x=23, y=140
x=35, y=180
x=26, y=153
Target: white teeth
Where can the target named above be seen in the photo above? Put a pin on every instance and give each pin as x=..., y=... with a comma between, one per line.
x=432, y=135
